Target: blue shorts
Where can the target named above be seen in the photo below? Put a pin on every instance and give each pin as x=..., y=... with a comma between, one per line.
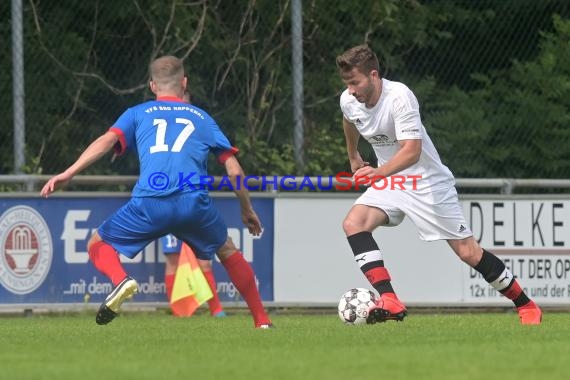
x=170, y=244
x=191, y=217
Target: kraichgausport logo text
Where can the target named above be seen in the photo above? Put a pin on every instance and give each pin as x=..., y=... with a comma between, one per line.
x=342, y=181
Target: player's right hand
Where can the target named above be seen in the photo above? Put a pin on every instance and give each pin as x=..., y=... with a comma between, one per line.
x=55, y=183
x=357, y=163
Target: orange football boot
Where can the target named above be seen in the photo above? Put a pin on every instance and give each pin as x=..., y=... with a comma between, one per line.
x=387, y=308
x=530, y=314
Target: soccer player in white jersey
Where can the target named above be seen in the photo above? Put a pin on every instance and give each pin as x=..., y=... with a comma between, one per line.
x=387, y=115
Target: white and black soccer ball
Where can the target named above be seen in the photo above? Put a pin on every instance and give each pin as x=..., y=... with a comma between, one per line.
x=354, y=305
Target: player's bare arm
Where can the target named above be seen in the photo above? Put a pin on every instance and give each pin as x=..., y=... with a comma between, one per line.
x=352, y=135
x=248, y=215
x=408, y=154
x=94, y=152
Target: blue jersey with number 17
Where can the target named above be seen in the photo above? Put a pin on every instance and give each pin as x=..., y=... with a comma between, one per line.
x=173, y=140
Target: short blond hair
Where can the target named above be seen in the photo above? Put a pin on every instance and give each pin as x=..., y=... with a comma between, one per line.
x=167, y=72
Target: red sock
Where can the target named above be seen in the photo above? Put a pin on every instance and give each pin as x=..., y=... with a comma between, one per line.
x=242, y=276
x=516, y=294
x=169, y=283
x=214, y=302
x=513, y=292
x=106, y=260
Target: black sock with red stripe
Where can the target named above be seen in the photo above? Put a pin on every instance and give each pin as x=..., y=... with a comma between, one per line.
x=367, y=255
x=500, y=277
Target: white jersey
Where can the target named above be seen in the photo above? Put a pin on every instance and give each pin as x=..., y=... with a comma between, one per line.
x=396, y=116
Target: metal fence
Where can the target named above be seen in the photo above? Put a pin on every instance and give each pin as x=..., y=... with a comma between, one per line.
x=85, y=62
x=15, y=185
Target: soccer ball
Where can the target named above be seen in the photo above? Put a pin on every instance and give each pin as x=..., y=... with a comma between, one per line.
x=354, y=305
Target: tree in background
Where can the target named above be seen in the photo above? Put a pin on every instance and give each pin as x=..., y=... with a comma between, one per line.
x=516, y=123
x=492, y=85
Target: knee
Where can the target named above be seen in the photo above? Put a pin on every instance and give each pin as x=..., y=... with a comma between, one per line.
x=470, y=253
x=95, y=238
x=171, y=263
x=205, y=265
x=226, y=250
x=351, y=225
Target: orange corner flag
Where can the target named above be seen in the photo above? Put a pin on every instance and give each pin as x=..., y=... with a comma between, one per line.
x=191, y=289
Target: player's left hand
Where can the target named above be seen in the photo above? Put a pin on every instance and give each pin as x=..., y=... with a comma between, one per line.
x=368, y=172
x=251, y=220
x=55, y=183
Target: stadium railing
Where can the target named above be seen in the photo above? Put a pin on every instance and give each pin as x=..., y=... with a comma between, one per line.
x=506, y=186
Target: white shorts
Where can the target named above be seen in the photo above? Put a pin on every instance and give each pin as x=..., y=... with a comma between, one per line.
x=437, y=215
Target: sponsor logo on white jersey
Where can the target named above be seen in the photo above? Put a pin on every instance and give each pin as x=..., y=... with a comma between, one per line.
x=381, y=140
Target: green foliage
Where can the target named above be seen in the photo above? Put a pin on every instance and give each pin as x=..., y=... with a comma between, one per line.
x=6, y=103
x=390, y=27
x=516, y=124
x=491, y=77
x=326, y=152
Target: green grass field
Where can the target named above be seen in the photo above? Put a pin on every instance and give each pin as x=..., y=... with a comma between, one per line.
x=159, y=346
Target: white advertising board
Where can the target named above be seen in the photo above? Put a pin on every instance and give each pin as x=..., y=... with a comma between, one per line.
x=314, y=264
x=532, y=237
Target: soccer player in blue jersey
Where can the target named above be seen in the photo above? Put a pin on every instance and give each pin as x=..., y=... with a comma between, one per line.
x=173, y=140
x=171, y=247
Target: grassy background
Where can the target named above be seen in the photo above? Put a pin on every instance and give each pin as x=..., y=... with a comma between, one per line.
x=159, y=346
